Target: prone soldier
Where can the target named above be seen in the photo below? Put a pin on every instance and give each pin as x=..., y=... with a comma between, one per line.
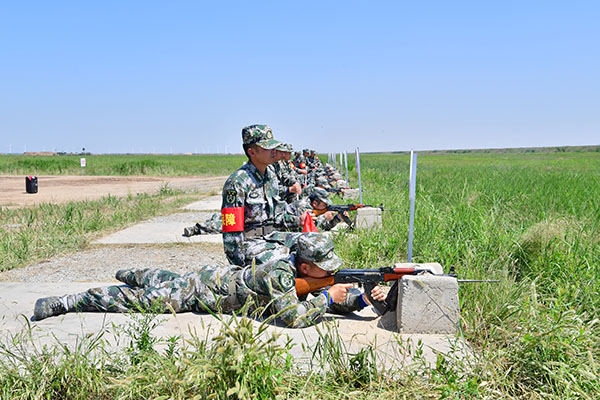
x=270, y=285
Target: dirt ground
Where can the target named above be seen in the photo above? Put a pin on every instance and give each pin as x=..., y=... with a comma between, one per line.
x=62, y=189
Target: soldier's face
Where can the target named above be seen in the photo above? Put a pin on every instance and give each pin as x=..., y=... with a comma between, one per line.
x=318, y=205
x=287, y=156
x=262, y=156
x=311, y=270
x=279, y=155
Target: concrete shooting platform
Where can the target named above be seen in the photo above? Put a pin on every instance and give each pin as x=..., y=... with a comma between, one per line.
x=356, y=331
x=169, y=228
x=212, y=203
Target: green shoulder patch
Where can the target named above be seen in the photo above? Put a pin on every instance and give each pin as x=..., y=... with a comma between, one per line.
x=230, y=196
x=287, y=281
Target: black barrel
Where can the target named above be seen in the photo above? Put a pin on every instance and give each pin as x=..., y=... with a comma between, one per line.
x=31, y=184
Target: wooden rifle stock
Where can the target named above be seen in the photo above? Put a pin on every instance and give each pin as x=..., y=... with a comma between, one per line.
x=307, y=285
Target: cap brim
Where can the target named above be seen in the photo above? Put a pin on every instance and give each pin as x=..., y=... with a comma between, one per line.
x=268, y=144
x=330, y=265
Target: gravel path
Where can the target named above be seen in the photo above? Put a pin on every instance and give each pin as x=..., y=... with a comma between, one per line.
x=99, y=263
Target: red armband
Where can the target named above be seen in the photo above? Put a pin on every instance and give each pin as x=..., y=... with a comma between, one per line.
x=302, y=165
x=233, y=219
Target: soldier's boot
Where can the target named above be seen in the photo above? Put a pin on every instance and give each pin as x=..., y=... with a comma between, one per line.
x=49, y=307
x=128, y=277
x=191, y=230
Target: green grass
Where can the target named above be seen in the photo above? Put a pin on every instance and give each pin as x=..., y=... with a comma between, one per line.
x=531, y=220
x=32, y=234
x=122, y=164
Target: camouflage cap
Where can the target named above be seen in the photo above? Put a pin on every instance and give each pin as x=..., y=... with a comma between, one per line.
x=285, y=147
x=261, y=135
x=305, y=150
x=322, y=181
x=321, y=195
x=312, y=246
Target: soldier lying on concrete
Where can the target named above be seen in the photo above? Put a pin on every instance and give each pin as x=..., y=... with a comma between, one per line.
x=319, y=200
x=225, y=289
x=211, y=226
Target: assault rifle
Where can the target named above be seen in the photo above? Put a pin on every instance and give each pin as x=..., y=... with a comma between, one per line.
x=369, y=278
x=347, y=207
x=334, y=190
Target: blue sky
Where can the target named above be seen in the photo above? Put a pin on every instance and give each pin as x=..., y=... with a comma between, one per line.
x=179, y=76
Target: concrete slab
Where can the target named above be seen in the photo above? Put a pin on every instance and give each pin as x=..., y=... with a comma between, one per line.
x=165, y=229
x=351, y=194
x=356, y=331
x=368, y=218
x=428, y=303
x=212, y=203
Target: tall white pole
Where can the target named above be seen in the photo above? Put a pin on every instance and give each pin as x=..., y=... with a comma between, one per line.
x=346, y=161
x=359, y=179
x=412, y=186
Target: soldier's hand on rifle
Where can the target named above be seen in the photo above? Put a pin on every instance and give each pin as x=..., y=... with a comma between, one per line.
x=302, y=171
x=377, y=294
x=329, y=215
x=339, y=291
x=295, y=188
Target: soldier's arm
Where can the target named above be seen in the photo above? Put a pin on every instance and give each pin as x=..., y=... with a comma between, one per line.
x=233, y=197
x=354, y=302
x=284, y=217
x=293, y=312
x=325, y=225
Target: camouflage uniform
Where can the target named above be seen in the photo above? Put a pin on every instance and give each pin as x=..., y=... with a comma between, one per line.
x=264, y=211
x=301, y=159
x=285, y=175
x=269, y=285
x=322, y=223
x=212, y=225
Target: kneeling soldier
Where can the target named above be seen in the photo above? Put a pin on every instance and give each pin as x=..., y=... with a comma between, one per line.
x=251, y=209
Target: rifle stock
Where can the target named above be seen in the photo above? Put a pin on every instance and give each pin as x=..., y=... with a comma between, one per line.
x=306, y=285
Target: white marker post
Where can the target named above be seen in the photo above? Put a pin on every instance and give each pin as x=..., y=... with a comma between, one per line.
x=346, y=161
x=412, y=186
x=357, y=161
x=82, y=161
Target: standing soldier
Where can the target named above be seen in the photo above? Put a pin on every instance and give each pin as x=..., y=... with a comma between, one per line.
x=251, y=210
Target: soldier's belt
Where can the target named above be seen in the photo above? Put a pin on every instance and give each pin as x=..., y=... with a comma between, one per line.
x=259, y=231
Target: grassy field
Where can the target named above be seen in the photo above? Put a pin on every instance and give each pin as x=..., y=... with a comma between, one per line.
x=528, y=219
x=121, y=164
